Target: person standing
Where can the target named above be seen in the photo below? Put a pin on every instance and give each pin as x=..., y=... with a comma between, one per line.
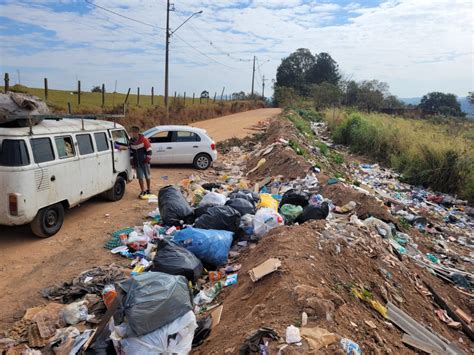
x=140, y=151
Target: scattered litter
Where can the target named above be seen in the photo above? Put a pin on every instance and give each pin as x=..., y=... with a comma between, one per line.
x=264, y=269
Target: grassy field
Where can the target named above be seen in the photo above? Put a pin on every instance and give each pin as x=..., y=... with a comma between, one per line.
x=58, y=99
x=145, y=114
x=436, y=155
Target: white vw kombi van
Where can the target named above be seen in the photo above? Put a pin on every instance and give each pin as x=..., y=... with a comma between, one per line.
x=56, y=164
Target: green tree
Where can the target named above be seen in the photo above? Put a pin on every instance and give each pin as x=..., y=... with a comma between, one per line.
x=370, y=95
x=96, y=88
x=284, y=97
x=391, y=101
x=350, y=91
x=325, y=95
x=441, y=103
x=470, y=97
x=325, y=69
x=294, y=69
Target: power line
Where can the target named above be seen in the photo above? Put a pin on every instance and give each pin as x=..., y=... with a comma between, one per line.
x=206, y=40
x=123, y=16
x=204, y=54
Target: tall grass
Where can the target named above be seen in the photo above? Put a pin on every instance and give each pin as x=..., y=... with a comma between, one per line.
x=440, y=156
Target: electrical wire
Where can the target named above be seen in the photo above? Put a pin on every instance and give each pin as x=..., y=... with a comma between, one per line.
x=123, y=16
x=229, y=55
x=204, y=54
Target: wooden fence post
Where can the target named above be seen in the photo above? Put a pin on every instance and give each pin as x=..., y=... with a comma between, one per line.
x=45, y=89
x=208, y=99
x=103, y=95
x=215, y=94
x=126, y=97
x=7, y=82
x=184, y=102
x=200, y=100
x=174, y=100
x=69, y=108
x=193, y=98
x=138, y=96
x=152, y=95
x=78, y=92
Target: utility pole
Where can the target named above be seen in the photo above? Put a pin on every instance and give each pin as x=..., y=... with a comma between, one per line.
x=167, y=55
x=263, y=87
x=253, y=74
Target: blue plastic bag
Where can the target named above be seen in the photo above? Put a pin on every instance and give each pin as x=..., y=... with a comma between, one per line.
x=210, y=245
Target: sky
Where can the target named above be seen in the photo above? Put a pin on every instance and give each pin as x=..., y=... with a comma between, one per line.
x=416, y=46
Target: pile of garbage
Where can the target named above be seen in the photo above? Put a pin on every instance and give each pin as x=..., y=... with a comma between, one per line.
x=266, y=258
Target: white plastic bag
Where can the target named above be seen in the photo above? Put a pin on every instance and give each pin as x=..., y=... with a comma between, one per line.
x=213, y=199
x=265, y=220
x=292, y=335
x=75, y=312
x=161, y=342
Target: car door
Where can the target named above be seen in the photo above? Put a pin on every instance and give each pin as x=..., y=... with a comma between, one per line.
x=162, y=149
x=120, y=144
x=186, y=146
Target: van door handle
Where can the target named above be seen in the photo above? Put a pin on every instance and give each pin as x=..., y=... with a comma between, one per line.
x=169, y=147
x=195, y=146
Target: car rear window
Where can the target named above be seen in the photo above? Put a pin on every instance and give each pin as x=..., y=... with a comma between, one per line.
x=42, y=150
x=13, y=152
x=84, y=142
x=161, y=137
x=185, y=136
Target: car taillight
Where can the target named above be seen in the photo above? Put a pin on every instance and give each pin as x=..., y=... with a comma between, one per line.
x=13, y=204
x=213, y=146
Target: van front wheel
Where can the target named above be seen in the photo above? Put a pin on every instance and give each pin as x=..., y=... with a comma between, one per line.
x=48, y=221
x=117, y=191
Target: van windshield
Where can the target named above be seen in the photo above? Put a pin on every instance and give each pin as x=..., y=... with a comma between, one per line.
x=13, y=152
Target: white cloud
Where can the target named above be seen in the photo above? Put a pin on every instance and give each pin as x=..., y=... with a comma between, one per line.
x=415, y=45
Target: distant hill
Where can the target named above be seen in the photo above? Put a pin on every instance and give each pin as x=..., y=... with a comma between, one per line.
x=465, y=105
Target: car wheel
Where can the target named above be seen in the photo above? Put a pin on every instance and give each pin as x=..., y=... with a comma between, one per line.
x=202, y=161
x=48, y=221
x=117, y=191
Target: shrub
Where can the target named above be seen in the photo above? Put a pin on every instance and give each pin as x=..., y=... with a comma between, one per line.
x=22, y=89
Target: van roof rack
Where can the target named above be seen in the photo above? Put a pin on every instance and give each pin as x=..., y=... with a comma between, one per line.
x=30, y=120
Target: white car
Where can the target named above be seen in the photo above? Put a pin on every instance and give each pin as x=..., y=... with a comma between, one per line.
x=181, y=145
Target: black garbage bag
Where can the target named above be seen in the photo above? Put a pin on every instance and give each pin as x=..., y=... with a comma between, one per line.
x=313, y=212
x=151, y=300
x=242, y=205
x=211, y=185
x=173, y=207
x=296, y=198
x=220, y=218
x=199, y=211
x=245, y=194
x=173, y=259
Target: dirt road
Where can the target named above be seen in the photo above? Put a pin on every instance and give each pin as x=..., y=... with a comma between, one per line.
x=28, y=264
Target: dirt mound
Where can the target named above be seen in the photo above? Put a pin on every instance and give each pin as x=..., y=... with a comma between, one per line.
x=320, y=269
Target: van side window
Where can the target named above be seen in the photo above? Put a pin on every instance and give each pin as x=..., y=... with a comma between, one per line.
x=185, y=136
x=65, y=147
x=13, y=152
x=120, y=137
x=101, y=141
x=84, y=142
x=42, y=149
x=161, y=137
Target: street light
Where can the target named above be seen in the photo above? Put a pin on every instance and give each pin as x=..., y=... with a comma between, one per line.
x=168, y=35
